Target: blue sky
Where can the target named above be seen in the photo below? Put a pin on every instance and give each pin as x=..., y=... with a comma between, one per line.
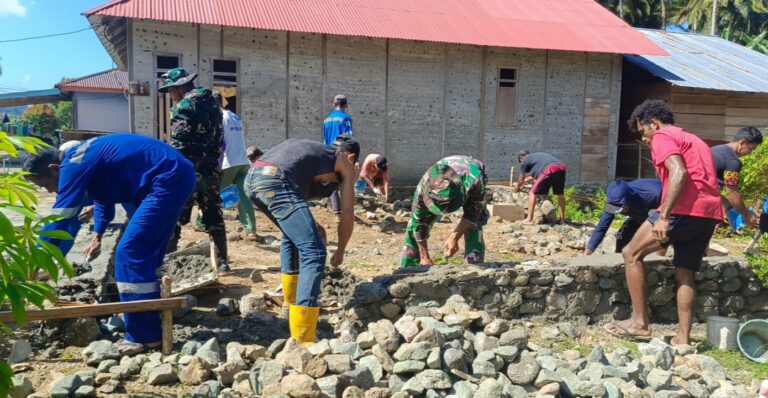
x=41, y=63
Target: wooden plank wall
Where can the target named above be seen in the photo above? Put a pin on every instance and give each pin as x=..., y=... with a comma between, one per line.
x=594, y=139
x=718, y=115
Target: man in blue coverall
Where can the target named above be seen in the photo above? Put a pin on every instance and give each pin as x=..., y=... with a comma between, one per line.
x=634, y=199
x=337, y=123
x=141, y=172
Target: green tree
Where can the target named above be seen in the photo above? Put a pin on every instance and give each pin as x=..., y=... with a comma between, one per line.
x=63, y=113
x=754, y=175
x=42, y=117
x=639, y=13
x=737, y=17
x=22, y=253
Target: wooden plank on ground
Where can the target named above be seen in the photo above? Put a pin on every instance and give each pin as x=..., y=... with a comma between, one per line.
x=78, y=311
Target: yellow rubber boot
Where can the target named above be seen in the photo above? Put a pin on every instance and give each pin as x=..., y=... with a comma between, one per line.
x=303, y=323
x=290, y=284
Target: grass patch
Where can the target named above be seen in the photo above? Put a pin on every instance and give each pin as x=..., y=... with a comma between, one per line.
x=455, y=260
x=356, y=264
x=571, y=344
x=736, y=365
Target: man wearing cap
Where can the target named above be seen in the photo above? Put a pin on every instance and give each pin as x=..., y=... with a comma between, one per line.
x=196, y=131
x=452, y=183
x=634, y=199
x=375, y=172
x=728, y=168
x=280, y=184
x=549, y=172
x=336, y=124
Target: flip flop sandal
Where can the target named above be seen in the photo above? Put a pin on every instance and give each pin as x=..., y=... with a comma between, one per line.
x=134, y=348
x=624, y=333
x=668, y=340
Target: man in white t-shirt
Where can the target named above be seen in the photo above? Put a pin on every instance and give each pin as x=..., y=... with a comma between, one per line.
x=235, y=165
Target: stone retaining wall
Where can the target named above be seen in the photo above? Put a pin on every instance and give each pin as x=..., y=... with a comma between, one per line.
x=587, y=289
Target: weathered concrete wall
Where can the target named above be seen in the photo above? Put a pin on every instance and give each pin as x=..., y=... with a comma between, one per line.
x=101, y=112
x=415, y=102
x=593, y=288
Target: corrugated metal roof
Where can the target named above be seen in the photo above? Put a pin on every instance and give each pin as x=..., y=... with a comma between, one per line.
x=112, y=80
x=30, y=97
x=571, y=25
x=701, y=61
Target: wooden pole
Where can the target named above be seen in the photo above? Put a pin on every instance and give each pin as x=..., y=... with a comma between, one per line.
x=167, y=317
x=213, y=260
x=78, y=311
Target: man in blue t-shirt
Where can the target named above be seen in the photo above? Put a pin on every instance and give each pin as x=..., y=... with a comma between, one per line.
x=336, y=124
x=635, y=200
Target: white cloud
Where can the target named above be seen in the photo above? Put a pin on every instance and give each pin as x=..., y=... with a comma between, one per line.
x=12, y=8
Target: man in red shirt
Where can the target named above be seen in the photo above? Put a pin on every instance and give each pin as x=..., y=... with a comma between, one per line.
x=690, y=210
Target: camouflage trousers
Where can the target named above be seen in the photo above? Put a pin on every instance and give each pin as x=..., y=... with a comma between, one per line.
x=474, y=246
x=207, y=197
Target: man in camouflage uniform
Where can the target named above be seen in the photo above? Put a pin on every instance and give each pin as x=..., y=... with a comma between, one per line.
x=196, y=131
x=452, y=183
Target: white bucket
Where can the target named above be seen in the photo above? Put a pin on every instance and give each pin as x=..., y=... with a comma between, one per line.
x=722, y=332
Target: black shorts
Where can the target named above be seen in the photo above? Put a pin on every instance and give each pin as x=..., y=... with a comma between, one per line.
x=689, y=236
x=627, y=232
x=554, y=180
x=764, y=223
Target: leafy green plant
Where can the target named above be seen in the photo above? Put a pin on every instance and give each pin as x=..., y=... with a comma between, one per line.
x=758, y=261
x=582, y=209
x=754, y=175
x=22, y=253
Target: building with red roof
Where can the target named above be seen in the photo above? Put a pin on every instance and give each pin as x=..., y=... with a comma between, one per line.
x=99, y=101
x=425, y=79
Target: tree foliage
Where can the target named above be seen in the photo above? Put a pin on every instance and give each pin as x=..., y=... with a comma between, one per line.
x=41, y=117
x=22, y=253
x=754, y=175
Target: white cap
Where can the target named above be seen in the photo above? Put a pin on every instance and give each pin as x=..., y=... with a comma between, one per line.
x=69, y=145
x=340, y=97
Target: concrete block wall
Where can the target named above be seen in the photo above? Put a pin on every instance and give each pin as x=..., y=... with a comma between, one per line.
x=415, y=102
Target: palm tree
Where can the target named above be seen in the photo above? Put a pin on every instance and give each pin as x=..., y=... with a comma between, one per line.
x=738, y=16
x=639, y=13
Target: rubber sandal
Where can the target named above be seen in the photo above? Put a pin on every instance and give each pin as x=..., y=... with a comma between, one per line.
x=624, y=333
x=134, y=348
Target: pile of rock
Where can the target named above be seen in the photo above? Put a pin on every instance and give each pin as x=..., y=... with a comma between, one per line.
x=449, y=351
x=548, y=240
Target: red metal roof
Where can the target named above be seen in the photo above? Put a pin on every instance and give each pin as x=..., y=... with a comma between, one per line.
x=112, y=80
x=571, y=25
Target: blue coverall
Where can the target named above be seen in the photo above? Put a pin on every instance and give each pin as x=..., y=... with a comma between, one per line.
x=146, y=175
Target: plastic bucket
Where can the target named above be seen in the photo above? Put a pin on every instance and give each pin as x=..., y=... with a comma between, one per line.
x=360, y=187
x=753, y=340
x=230, y=196
x=721, y=332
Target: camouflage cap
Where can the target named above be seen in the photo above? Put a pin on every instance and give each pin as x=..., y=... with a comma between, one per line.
x=175, y=77
x=444, y=192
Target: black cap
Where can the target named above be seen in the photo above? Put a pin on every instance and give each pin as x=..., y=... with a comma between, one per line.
x=381, y=163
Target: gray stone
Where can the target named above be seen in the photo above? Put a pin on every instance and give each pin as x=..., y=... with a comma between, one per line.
x=396, y=383
x=163, y=374
x=676, y=392
x=407, y=328
x=587, y=389
x=612, y=390
x=366, y=340
x=413, y=387
x=329, y=385
x=338, y=363
x=390, y=310
x=190, y=347
x=546, y=377
x=319, y=349
x=524, y=371
x=21, y=386
x=598, y=355
x=409, y=366
x=568, y=329
x=209, y=389
x=517, y=337
x=463, y=389
x=455, y=359
x=120, y=372
x=110, y=387
x=275, y=347
x=114, y=324
x=225, y=373
x=619, y=357
x=84, y=392
x=483, y=367
x=372, y=363
x=369, y=293
x=696, y=388
x=66, y=386
x=353, y=392
x=496, y=327
x=197, y=371
x=20, y=351
x=658, y=378
x=252, y=303
x=271, y=372
x=549, y=390
x=457, y=320
x=562, y=280
x=360, y=377
x=485, y=343
x=191, y=303
x=429, y=334
x=226, y=307
x=210, y=351
x=415, y=351
x=80, y=332
x=351, y=349
x=384, y=358
x=433, y=360
x=399, y=290
x=98, y=351
x=549, y=333
x=434, y=379
x=489, y=388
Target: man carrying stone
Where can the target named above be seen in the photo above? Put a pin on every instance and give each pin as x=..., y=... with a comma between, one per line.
x=690, y=210
x=144, y=174
x=549, y=172
x=280, y=184
x=453, y=183
x=728, y=167
x=196, y=131
x=634, y=199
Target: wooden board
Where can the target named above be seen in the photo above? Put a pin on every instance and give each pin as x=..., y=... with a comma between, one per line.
x=699, y=109
x=77, y=311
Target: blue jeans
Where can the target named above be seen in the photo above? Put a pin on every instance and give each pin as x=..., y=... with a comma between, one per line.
x=302, y=249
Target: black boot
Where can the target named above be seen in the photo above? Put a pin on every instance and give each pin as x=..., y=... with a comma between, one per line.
x=220, y=242
x=173, y=245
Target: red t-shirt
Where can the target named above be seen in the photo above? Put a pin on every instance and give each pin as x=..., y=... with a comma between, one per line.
x=700, y=196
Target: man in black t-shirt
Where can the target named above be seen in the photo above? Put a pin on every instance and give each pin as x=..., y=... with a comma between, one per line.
x=728, y=167
x=549, y=173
